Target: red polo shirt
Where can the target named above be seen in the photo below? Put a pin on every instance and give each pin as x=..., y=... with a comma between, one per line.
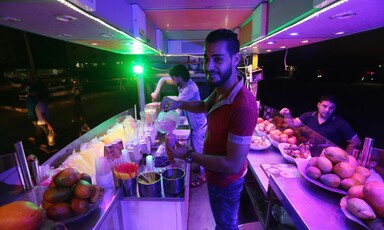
x=231, y=119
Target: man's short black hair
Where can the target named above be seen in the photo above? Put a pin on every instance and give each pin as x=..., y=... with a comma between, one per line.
x=233, y=44
x=329, y=97
x=179, y=70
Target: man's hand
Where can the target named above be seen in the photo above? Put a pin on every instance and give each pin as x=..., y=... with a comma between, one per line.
x=286, y=113
x=178, y=151
x=168, y=104
x=154, y=96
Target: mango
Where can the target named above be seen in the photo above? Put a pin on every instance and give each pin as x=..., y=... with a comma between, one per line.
x=348, y=183
x=343, y=170
x=97, y=195
x=67, y=177
x=360, y=209
x=45, y=204
x=335, y=154
x=313, y=172
x=352, y=161
x=363, y=171
x=83, y=189
x=59, y=211
x=373, y=192
x=331, y=180
x=79, y=206
x=86, y=177
x=324, y=164
x=23, y=215
x=356, y=191
x=360, y=178
x=312, y=161
x=57, y=194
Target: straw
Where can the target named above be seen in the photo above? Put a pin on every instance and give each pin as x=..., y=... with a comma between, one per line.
x=147, y=178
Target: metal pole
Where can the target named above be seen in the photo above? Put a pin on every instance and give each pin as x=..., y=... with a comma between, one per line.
x=22, y=164
x=140, y=90
x=30, y=56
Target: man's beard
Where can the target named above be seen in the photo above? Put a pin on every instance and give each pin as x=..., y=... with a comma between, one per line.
x=223, y=78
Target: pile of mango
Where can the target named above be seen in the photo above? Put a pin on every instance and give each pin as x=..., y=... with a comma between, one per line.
x=70, y=193
x=336, y=168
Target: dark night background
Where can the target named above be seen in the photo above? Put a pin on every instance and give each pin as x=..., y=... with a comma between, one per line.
x=341, y=61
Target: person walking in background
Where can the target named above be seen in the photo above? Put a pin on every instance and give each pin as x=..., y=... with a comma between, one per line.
x=325, y=122
x=45, y=127
x=31, y=103
x=188, y=91
x=78, y=116
x=232, y=117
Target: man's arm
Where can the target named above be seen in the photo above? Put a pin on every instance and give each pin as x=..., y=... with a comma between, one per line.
x=167, y=80
x=192, y=106
x=291, y=122
x=352, y=143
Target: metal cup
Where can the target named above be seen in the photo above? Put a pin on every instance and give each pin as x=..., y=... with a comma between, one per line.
x=173, y=180
x=129, y=187
x=152, y=189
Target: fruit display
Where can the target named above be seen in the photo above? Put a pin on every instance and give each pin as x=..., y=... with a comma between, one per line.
x=264, y=127
x=285, y=136
x=70, y=193
x=297, y=151
x=20, y=215
x=366, y=203
x=259, y=143
x=337, y=169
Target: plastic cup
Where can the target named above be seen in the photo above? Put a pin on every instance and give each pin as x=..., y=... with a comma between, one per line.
x=103, y=173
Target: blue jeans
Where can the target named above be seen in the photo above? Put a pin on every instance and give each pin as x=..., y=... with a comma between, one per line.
x=225, y=203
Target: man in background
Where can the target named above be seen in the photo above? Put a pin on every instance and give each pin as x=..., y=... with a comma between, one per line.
x=188, y=91
x=325, y=122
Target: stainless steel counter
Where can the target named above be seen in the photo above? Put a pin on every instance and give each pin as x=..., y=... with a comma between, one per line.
x=256, y=158
x=309, y=206
x=119, y=212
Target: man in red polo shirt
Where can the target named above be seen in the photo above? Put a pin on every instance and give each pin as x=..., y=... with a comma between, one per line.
x=232, y=117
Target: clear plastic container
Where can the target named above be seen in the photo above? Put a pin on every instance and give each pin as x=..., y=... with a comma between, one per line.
x=166, y=122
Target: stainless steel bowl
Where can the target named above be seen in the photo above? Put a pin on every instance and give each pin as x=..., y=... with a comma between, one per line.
x=173, y=180
x=152, y=188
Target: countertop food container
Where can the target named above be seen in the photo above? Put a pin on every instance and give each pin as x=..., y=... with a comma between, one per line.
x=151, y=188
x=173, y=180
x=166, y=122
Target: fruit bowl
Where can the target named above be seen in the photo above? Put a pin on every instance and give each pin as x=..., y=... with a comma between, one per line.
x=291, y=157
x=343, y=207
x=260, y=133
x=91, y=208
x=259, y=143
x=302, y=165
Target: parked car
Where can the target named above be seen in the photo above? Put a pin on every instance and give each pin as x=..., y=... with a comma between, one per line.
x=58, y=87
